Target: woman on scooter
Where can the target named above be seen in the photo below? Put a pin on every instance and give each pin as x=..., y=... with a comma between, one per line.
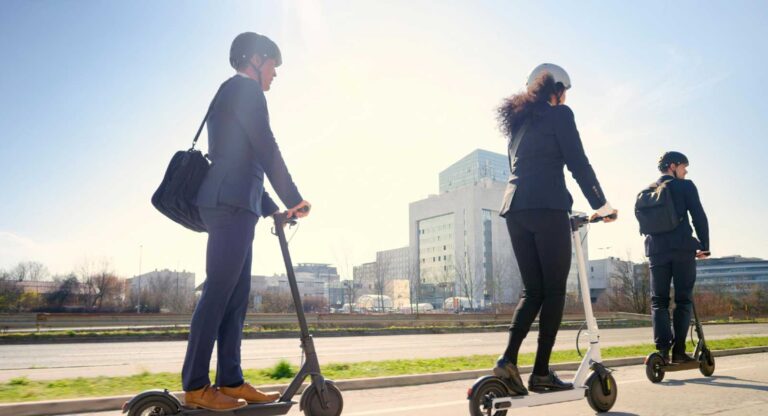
x=536, y=207
x=672, y=258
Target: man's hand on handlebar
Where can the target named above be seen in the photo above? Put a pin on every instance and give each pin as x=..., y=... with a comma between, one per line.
x=299, y=211
x=608, y=218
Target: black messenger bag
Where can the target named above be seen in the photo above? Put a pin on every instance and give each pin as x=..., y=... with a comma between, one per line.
x=175, y=197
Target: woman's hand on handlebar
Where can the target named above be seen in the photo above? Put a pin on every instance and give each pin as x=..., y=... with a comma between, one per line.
x=607, y=218
x=299, y=211
x=702, y=254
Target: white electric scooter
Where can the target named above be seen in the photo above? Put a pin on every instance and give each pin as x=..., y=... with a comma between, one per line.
x=492, y=396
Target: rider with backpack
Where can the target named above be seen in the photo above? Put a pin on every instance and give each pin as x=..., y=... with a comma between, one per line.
x=662, y=211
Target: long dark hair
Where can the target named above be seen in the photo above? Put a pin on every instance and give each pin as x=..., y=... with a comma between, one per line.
x=515, y=109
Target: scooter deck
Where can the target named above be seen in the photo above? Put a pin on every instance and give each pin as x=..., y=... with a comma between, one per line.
x=267, y=409
x=691, y=365
x=539, y=399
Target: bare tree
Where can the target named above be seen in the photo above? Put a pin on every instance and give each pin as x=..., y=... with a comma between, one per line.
x=382, y=268
x=29, y=271
x=10, y=292
x=467, y=282
x=347, y=277
x=276, y=302
x=631, y=287
x=505, y=284
x=414, y=286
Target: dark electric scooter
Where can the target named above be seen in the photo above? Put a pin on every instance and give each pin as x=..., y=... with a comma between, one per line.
x=320, y=398
x=493, y=396
x=656, y=367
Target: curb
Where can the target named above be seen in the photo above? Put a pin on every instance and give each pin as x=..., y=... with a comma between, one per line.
x=99, y=404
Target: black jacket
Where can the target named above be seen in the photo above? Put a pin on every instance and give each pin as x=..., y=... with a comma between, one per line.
x=536, y=177
x=242, y=149
x=686, y=198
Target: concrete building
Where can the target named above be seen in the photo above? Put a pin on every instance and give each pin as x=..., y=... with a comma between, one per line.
x=473, y=168
x=732, y=274
x=364, y=277
x=393, y=264
x=600, y=272
x=399, y=290
x=458, y=243
x=178, y=283
x=164, y=290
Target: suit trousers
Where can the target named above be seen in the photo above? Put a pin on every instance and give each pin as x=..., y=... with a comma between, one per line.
x=220, y=312
x=676, y=267
x=541, y=240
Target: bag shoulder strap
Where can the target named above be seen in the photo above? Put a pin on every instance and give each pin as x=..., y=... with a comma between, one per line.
x=207, y=113
x=515, y=142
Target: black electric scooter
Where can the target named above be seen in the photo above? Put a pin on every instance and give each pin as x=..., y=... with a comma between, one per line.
x=320, y=398
x=656, y=367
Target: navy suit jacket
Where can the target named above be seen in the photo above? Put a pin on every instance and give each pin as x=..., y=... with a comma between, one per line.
x=536, y=177
x=686, y=198
x=242, y=149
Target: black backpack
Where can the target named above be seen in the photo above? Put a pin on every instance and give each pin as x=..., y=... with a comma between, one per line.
x=655, y=209
x=175, y=197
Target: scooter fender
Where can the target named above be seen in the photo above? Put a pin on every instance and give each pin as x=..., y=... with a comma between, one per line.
x=165, y=394
x=483, y=379
x=305, y=397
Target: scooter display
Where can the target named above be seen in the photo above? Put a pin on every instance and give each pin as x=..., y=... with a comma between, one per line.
x=656, y=366
x=320, y=398
x=493, y=396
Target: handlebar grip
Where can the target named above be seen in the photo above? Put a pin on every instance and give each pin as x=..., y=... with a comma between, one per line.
x=598, y=219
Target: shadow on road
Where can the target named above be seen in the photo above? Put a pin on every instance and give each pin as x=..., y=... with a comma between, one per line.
x=619, y=414
x=715, y=381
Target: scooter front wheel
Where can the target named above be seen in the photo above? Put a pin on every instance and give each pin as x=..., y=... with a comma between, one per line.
x=601, y=394
x=153, y=406
x=707, y=363
x=313, y=404
x=654, y=368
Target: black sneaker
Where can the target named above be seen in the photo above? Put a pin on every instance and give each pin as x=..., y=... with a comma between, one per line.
x=681, y=358
x=510, y=374
x=550, y=382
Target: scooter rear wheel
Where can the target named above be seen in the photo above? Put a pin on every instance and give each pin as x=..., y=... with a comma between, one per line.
x=654, y=368
x=153, y=406
x=483, y=395
x=313, y=404
x=601, y=398
x=706, y=363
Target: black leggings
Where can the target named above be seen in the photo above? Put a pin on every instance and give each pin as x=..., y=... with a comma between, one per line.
x=541, y=239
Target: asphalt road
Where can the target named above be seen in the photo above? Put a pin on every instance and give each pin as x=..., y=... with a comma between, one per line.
x=54, y=361
x=739, y=387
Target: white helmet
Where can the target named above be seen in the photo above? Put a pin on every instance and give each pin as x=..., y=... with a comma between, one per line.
x=557, y=72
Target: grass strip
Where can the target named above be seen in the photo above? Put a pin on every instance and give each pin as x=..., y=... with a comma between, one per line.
x=24, y=390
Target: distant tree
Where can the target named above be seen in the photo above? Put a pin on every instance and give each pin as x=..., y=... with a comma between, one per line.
x=66, y=293
x=631, y=288
x=276, y=302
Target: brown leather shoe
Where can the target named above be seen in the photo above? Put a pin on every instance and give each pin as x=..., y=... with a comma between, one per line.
x=210, y=398
x=250, y=394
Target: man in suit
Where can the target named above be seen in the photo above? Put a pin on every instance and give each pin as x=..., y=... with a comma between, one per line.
x=672, y=258
x=242, y=150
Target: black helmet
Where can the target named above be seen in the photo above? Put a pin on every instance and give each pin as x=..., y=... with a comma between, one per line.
x=669, y=158
x=248, y=44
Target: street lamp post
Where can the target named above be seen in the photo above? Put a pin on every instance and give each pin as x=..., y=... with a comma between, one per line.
x=138, y=297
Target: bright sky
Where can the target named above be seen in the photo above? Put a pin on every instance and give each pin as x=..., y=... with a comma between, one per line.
x=373, y=100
